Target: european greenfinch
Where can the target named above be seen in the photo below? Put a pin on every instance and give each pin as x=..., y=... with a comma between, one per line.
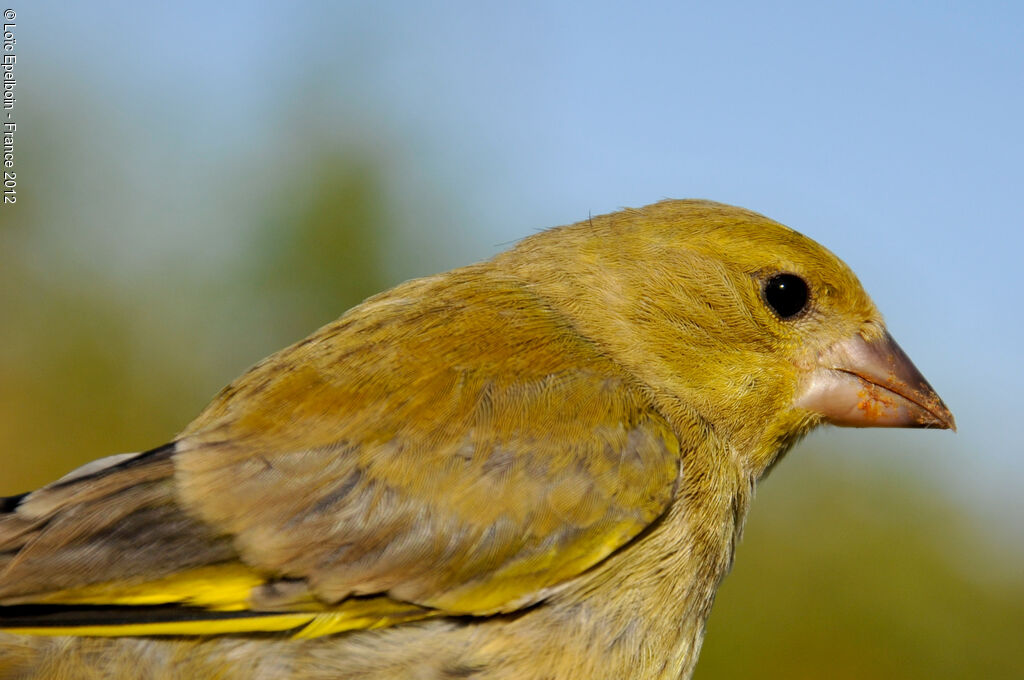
x=535, y=467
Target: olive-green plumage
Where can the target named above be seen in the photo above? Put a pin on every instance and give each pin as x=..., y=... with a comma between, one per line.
x=532, y=467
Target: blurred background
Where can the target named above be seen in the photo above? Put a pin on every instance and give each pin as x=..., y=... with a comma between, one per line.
x=199, y=186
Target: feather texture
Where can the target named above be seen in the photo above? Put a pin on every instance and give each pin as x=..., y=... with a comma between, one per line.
x=532, y=467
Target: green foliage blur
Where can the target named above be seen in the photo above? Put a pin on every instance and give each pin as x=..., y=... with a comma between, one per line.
x=90, y=368
x=842, y=574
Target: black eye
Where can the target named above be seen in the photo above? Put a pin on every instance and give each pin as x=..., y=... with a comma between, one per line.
x=787, y=294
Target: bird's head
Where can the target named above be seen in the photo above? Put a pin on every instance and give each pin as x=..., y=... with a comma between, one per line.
x=754, y=327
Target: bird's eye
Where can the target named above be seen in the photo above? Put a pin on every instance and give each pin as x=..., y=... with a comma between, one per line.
x=786, y=294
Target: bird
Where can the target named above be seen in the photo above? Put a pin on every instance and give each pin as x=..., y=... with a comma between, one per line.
x=535, y=467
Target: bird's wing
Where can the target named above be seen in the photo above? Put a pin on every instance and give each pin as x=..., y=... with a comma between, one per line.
x=393, y=466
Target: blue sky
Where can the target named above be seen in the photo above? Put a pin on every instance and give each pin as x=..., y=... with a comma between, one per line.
x=890, y=132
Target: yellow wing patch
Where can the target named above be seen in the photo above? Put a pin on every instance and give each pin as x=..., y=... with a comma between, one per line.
x=379, y=612
x=224, y=589
x=235, y=625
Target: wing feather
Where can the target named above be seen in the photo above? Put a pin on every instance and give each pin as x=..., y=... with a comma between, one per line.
x=450, y=447
x=465, y=451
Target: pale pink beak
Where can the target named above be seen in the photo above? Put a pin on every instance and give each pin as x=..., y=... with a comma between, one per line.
x=860, y=383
